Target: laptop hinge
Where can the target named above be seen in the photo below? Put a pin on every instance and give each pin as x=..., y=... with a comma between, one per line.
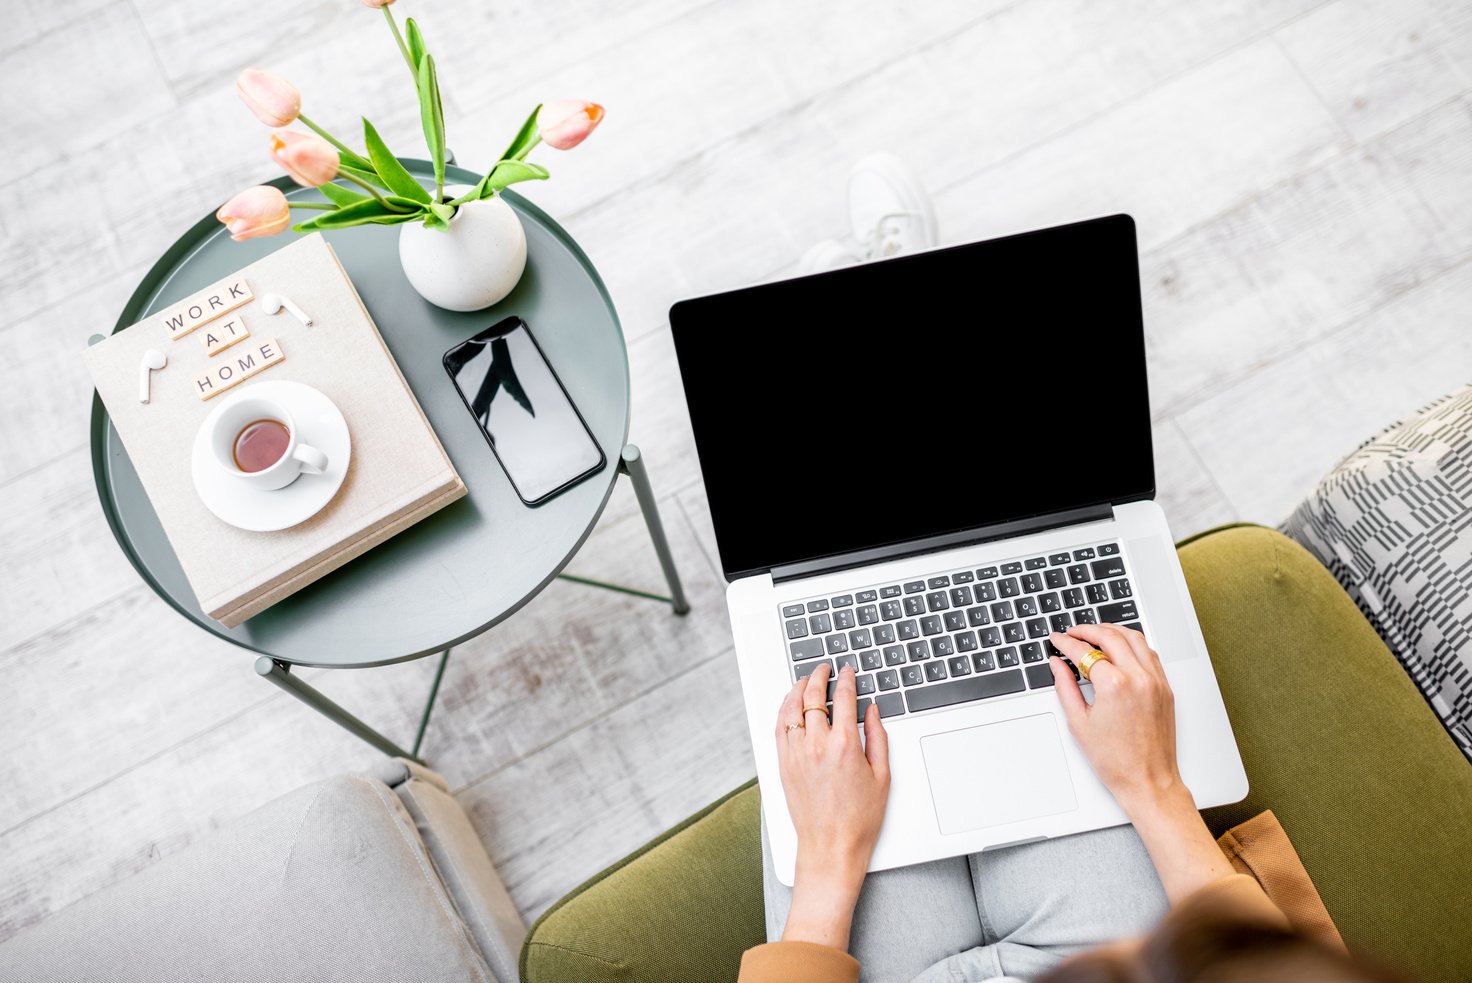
x=934, y=544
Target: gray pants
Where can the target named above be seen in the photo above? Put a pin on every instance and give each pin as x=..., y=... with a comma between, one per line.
x=1016, y=912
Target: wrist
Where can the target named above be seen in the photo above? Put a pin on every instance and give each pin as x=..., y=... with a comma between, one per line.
x=1149, y=796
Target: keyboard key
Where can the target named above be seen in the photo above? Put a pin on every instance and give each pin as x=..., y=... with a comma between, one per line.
x=908, y=630
x=991, y=637
x=843, y=620
x=1009, y=568
x=1118, y=614
x=865, y=596
x=914, y=587
x=937, y=601
x=912, y=675
x=1011, y=632
x=808, y=648
x=1109, y=549
x=850, y=660
x=890, y=704
x=1097, y=593
x=883, y=634
x=1007, y=587
x=959, y=665
x=960, y=597
x=977, y=616
x=964, y=577
x=1073, y=597
x=983, y=662
x=965, y=690
x=893, y=590
x=1032, y=652
x=793, y=610
x=1060, y=622
x=930, y=625
x=894, y=655
x=1085, y=616
x=1055, y=579
x=935, y=672
x=863, y=706
x=1078, y=574
x=1119, y=589
x=865, y=684
x=870, y=659
x=1104, y=569
x=986, y=592
x=1032, y=583
x=859, y=639
x=835, y=644
x=1083, y=554
x=891, y=610
x=1058, y=559
x=1039, y=677
x=955, y=620
x=914, y=606
x=805, y=669
x=817, y=606
x=966, y=641
x=943, y=646
x=1007, y=657
x=842, y=601
x=868, y=614
x=936, y=583
x=1037, y=628
x=1135, y=625
x=888, y=679
x=1035, y=562
x=797, y=628
x=1002, y=611
x=986, y=573
x=820, y=623
x=1027, y=607
x=919, y=650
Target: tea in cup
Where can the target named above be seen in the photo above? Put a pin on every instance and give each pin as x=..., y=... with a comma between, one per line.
x=255, y=441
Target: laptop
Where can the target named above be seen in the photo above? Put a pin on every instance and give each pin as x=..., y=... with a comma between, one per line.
x=919, y=467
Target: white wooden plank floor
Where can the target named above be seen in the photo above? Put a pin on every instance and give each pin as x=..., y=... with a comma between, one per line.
x=1301, y=171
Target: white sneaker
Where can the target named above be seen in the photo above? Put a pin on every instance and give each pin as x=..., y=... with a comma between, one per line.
x=889, y=208
x=829, y=254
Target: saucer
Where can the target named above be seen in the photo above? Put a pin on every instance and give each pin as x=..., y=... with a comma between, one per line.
x=321, y=424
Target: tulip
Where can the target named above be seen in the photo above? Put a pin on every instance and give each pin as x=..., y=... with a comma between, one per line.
x=274, y=100
x=376, y=4
x=309, y=161
x=255, y=212
x=565, y=123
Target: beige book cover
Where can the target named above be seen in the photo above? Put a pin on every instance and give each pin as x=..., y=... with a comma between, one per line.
x=398, y=473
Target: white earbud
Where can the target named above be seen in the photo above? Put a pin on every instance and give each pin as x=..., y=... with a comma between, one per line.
x=153, y=359
x=272, y=303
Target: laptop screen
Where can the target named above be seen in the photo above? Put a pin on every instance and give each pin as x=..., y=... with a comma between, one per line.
x=918, y=396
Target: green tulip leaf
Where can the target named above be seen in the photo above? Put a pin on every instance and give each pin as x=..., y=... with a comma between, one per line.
x=395, y=176
x=366, y=174
x=507, y=173
x=395, y=219
x=525, y=139
x=417, y=50
x=432, y=115
x=359, y=213
x=434, y=221
x=341, y=196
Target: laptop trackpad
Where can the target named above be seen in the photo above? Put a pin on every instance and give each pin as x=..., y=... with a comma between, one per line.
x=998, y=773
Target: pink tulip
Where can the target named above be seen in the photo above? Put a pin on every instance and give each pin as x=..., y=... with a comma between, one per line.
x=376, y=4
x=565, y=123
x=309, y=161
x=274, y=100
x=255, y=212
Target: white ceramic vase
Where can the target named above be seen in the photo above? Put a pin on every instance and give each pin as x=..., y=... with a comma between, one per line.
x=474, y=263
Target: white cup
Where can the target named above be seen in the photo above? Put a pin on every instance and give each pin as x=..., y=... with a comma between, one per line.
x=246, y=409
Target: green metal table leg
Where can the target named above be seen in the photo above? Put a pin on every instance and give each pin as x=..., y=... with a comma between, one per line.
x=434, y=691
x=631, y=463
x=280, y=674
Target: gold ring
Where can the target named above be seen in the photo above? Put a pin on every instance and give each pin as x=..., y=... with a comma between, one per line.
x=1089, y=658
x=797, y=726
x=819, y=707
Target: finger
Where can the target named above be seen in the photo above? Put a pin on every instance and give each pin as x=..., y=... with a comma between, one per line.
x=1149, y=658
x=876, y=743
x=1111, y=641
x=816, y=695
x=790, y=712
x=1074, y=707
x=846, y=697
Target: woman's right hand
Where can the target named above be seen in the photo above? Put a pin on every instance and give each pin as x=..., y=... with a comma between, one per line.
x=1129, y=733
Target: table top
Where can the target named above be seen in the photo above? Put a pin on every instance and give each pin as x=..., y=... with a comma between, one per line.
x=473, y=563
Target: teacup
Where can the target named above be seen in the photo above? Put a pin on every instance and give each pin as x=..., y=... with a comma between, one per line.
x=255, y=440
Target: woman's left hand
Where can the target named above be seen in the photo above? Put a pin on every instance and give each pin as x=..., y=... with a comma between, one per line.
x=836, y=791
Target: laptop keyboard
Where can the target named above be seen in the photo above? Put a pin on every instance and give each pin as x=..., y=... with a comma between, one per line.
x=959, y=636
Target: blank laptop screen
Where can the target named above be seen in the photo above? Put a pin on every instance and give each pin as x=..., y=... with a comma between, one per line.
x=921, y=395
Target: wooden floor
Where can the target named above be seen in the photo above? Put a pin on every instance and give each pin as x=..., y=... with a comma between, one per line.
x=1301, y=172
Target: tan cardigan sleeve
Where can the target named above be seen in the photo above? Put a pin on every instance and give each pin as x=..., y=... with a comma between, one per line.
x=808, y=962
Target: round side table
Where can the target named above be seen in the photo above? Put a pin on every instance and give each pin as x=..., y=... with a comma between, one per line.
x=439, y=582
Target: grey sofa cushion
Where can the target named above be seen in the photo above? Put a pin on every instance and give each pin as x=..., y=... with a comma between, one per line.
x=1393, y=523
x=330, y=882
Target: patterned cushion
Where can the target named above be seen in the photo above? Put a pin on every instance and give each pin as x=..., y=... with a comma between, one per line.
x=1393, y=522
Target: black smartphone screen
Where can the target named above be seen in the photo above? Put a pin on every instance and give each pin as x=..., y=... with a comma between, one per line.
x=519, y=403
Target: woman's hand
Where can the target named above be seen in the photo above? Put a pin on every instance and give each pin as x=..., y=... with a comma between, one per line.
x=1129, y=736
x=836, y=789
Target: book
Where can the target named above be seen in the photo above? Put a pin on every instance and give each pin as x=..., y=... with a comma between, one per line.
x=222, y=340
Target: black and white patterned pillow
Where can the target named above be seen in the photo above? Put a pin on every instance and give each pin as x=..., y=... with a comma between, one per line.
x=1393, y=522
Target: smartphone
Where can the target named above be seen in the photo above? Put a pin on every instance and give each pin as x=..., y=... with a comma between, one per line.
x=536, y=433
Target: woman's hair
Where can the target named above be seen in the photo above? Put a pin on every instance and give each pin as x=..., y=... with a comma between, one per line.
x=1213, y=950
